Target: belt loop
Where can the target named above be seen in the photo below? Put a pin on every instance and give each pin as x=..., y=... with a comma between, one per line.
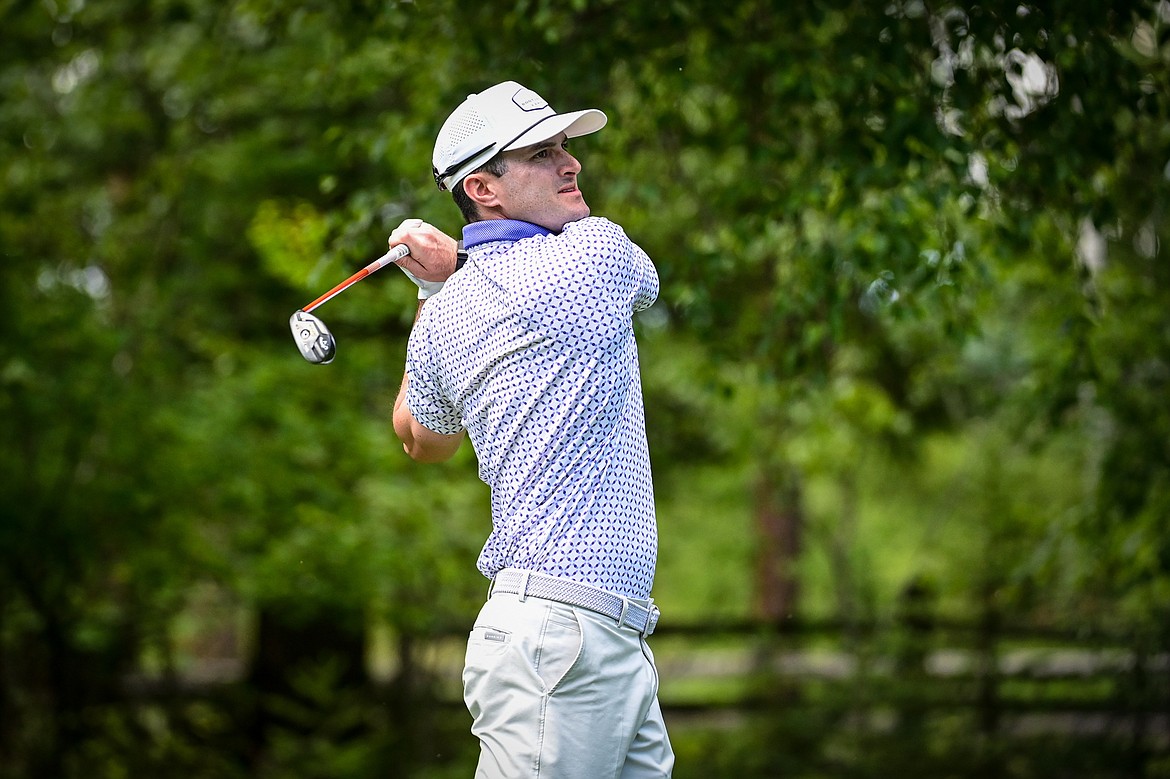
x=523, y=593
x=651, y=618
x=625, y=607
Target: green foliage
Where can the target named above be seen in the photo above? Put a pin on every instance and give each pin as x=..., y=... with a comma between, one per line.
x=913, y=270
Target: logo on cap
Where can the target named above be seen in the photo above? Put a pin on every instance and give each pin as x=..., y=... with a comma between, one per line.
x=528, y=100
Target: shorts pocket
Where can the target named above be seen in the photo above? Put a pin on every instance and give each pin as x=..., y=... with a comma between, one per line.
x=560, y=647
x=485, y=641
x=487, y=649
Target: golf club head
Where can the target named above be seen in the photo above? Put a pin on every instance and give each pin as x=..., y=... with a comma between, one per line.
x=313, y=338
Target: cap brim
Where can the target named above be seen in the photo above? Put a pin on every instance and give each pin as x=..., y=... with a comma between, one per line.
x=573, y=124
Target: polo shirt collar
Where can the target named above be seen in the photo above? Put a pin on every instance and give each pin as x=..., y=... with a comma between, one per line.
x=490, y=230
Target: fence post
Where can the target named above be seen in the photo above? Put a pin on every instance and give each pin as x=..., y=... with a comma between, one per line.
x=987, y=665
x=916, y=621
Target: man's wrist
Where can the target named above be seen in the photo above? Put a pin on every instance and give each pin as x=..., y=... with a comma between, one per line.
x=428, y=288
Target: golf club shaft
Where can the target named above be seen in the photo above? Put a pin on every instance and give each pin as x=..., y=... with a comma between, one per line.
x=390, y=257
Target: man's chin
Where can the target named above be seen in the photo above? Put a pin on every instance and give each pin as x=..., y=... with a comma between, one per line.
x=575, y=217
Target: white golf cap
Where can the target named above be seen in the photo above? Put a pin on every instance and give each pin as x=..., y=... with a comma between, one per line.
x=504, y=117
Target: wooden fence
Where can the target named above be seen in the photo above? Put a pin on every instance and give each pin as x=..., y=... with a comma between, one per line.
x=747, y=699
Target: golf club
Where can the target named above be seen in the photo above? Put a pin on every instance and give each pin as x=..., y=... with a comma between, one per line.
x=312, y=337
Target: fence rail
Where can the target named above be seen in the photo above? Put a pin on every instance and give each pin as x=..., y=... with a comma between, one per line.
x=837, y=698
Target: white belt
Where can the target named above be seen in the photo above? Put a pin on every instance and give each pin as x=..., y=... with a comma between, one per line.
x=626, y=612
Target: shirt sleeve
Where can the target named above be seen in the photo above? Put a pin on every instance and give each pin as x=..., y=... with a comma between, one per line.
x=620, y=260
x=430, y=406
x=647, y=290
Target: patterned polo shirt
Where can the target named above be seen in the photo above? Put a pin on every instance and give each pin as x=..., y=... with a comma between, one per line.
x=530, y=348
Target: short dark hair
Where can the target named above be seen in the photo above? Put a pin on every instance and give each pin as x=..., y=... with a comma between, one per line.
x=497, y=166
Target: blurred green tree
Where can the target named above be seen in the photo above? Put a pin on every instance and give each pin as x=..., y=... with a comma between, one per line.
x=872, y=222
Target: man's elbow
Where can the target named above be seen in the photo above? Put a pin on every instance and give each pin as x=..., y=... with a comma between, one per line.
x=403, y=425
x=419, y=443
x=425, y=454
x=423, y=446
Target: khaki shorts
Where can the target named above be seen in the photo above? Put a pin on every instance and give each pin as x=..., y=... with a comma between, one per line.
x=562, y=692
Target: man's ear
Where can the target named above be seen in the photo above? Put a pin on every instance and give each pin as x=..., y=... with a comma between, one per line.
x=481, y=189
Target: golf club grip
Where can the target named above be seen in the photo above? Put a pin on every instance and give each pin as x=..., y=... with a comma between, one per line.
x=392, y=256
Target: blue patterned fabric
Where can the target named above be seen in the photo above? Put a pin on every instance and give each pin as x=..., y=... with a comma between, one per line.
x=500, y=230
x=530, y=348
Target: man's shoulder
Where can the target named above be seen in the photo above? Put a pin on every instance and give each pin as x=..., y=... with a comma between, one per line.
x=593, y=224
x=459, y=298
x=598, y=231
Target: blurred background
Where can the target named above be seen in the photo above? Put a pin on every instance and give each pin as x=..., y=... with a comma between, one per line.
x=907, y=382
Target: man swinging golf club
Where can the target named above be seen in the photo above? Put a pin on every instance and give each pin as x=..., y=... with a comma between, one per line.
x=529, y=350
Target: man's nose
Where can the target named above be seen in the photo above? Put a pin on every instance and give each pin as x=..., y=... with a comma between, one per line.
x=569, y=164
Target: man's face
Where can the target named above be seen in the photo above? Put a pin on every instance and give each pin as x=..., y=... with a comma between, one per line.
x=540, y=185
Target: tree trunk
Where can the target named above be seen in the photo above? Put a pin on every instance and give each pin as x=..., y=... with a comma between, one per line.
x=780, y=527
